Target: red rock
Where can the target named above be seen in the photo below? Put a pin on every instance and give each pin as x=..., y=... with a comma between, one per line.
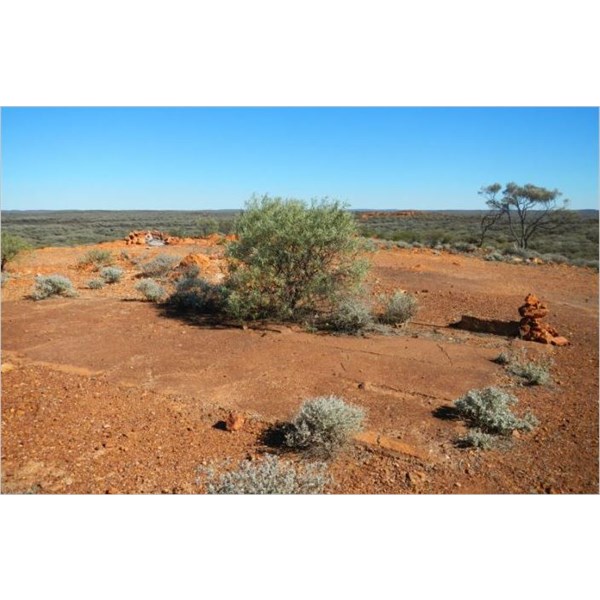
x=234, y=422
x=560, y=341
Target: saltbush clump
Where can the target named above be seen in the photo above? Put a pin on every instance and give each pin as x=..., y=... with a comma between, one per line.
x=151, y=290
x=533, y=373
x=159, y=266
x=194, y=294
x=111, y=274
x=96, y=284
x=324, y=426
x=398, y=308
x=478, y=439
x=52, y=285
x=488, y=409
x=351, y=316
x=96, y=258
x=271, y=475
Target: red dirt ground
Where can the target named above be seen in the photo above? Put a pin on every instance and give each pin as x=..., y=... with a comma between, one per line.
x=105, y=394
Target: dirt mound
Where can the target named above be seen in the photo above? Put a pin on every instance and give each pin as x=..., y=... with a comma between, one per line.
x=531, y=327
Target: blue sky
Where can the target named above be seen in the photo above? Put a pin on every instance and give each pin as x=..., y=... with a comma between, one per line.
x=211, y=158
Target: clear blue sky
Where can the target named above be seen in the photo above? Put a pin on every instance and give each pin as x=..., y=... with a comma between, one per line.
x=211, y=158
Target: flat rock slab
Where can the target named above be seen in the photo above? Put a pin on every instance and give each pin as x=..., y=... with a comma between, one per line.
x=390, y=445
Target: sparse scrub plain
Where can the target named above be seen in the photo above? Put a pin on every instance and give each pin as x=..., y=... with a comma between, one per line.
x=52, y=285
x=324, y=425
x=271, y=475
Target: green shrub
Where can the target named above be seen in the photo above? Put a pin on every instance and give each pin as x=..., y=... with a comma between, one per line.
x=111, y=274
x=195, y=294
x=291, y=258
x=324, y=425
x=96, y=258
x=52, y=285
x=159, y=266
x=96, y=284
x=398, y=308
x=11, y=246
x=488, y=410
x=350, y=315
x=151, y=290
x=271, y=475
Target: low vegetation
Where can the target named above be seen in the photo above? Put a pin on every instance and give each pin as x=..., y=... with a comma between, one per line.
x=47, y=286
x=159, y=266
x=398, y=308
x=531, y=372
x=489, y=411
x=151, y=290
x=350, y=316
x=324, y=425
x=96, y=259
x=271, y=475
x=12, y=245
x=111, y=274
x=195, y=294
x=96, y=284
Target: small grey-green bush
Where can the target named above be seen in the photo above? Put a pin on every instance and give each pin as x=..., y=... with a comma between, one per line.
x=271, y=475
x=52, y=285
x=97, y=258
x=398, y=308
x=95, y=284
x=533, y=373
x=151, y=290
x=350, y=315
x=504, y=358
x=195, y=294
x=324, y=425
x=159, y=266
x=488, y=409
x=478, y=439
x=111, y=274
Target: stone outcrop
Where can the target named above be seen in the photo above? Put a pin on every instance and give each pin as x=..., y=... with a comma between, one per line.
x=145, y=237
x=531, y=327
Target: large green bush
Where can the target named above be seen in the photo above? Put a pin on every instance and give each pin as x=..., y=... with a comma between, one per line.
x=292, y=258
x=11, y=246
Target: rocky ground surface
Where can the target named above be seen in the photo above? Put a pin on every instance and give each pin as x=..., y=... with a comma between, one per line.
x=105, y=393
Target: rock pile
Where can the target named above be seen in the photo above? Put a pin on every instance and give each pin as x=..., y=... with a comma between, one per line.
x=531, y=327
x=145, y=237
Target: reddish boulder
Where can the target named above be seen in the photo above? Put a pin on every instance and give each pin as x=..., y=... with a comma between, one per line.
x=235, y=421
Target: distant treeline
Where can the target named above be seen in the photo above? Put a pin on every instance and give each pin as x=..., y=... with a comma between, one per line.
x=577, y=238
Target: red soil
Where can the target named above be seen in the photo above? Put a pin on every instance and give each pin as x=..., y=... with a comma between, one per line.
x=104, y=393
